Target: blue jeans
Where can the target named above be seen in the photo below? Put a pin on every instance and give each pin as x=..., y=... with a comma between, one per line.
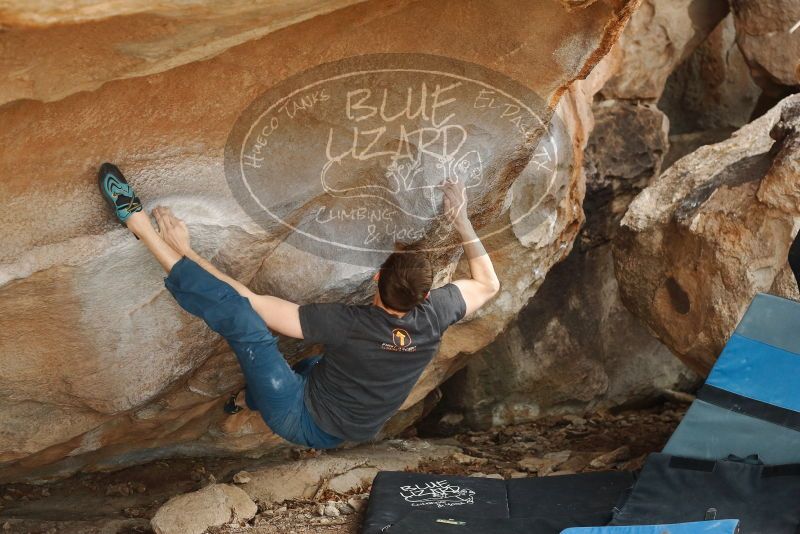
x=273, y=388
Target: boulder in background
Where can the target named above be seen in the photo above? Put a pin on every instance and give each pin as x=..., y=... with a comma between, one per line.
x=711, y=232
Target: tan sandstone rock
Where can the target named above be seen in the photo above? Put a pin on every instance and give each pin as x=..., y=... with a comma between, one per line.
x=340, y=471
x=52, y=49
x=661, y=34
x=193, y=513
x=713, y=88
x=768, y=35
x=711, y=232
x=99, y=367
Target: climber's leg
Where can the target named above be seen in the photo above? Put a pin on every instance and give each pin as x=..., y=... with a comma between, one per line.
x=128, y=210
x=303, y=368
x=139, y=224
x=794, y=258
x=273, y=388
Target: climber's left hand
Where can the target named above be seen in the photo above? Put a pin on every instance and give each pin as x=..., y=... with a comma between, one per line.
x=455, y=202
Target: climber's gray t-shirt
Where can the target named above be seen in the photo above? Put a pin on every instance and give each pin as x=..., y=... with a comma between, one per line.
x=372, y=359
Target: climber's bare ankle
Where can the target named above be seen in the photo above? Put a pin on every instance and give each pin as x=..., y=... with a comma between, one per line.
x=139, y=223
x=136, y=220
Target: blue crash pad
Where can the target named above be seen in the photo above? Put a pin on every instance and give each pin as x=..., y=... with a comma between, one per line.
x=759, y=371
x=710, y=432
x=774, y=321
x=728, y=526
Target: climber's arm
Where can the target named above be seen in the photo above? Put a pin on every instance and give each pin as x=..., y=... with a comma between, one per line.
x=483, y=284
x=279, y=315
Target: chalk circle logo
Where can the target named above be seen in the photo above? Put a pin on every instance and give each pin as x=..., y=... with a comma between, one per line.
x=347, y=160
x=400, y=337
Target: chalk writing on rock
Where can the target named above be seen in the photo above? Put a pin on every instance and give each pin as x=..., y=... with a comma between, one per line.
x=349, y=158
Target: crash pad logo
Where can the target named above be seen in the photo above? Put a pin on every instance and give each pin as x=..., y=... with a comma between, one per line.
x=439, y=494
x=348, y=159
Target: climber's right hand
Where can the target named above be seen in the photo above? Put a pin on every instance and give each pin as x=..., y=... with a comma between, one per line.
x=173, y=230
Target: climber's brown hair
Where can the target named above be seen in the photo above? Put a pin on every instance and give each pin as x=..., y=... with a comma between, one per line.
x=405, y=279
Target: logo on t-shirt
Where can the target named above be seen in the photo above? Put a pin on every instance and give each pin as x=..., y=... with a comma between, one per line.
x=401, y=342
x=400, y=337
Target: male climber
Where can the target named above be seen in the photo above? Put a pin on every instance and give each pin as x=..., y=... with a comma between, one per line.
x=373, y=354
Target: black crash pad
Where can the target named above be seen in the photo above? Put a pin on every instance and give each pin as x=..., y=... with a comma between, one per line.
x=413, y=502
x=554, y=503
x=672, y=489
x=437, y=523
x=395, y=494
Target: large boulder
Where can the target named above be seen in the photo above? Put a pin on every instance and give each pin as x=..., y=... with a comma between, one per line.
x=712, y=231
x=769, y=37
x=100, y=368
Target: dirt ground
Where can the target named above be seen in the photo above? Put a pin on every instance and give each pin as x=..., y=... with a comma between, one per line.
x=125, y=500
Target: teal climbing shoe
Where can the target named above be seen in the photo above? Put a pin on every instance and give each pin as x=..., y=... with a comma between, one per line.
x=118, y=192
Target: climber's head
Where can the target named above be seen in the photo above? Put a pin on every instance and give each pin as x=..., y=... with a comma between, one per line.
x=404, y=280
